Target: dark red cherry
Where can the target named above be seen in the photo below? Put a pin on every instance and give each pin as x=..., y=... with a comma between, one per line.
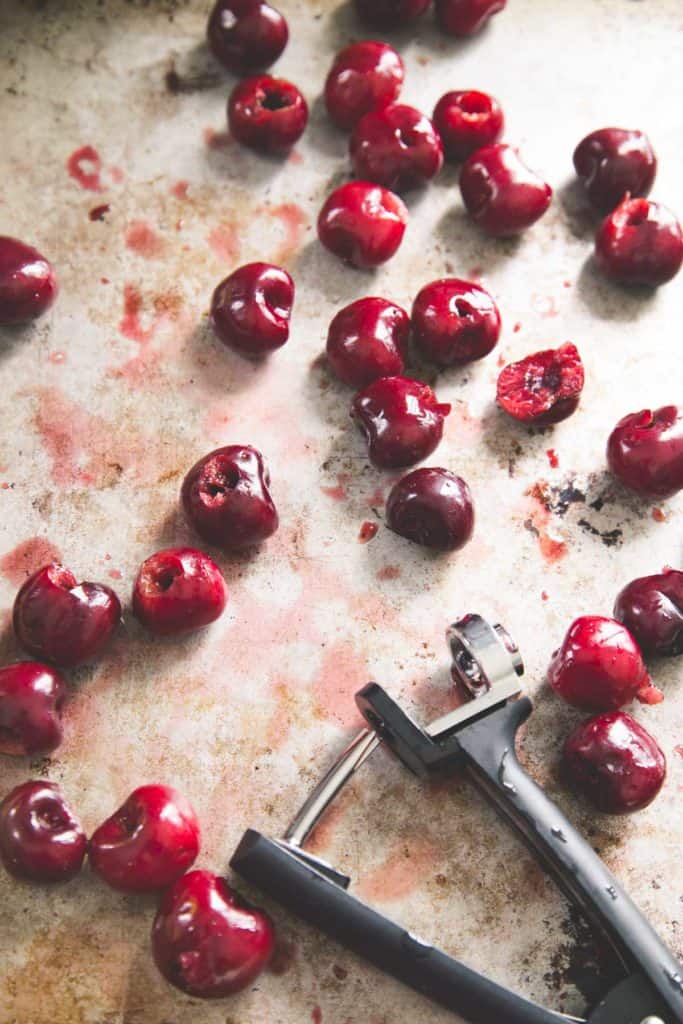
x=651, y=607
x=397, y=147
x=639, y=243
x=365, y=76
x=614, y=162
x=28, y=285
x=465, y=17
x=31, y=700
x=433, y=507
x=454, y=322
x=362, y=223
x=251, y=309
x=226, y=498
x=402, y=420
x=246, y=35
x=390, y=13
x=366, y=340
x=500, y=193
x=40, y=839
x=178, y=590
x=542, y=388
x=466, y=120
x=645, y=452
x=615, y=763
x=267, y=114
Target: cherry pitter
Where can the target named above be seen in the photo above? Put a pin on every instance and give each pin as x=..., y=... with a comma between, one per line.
x=478, y=738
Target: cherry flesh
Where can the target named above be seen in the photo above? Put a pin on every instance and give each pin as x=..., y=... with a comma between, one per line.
x=28, y=285
x=500, y=193
x=178, y=590
x=251, y=309
x=639, y=243
x=206, y=940
x=543, y=388
x=31, y=700
x=467, y=120
x=362, y=223
x=246, y=35
x=454, y=322
x=40, y=839
x=614, y=162
x=651, y=608
x=368, y=339
x=433, y=507
x=465, y=17
x=397, y=147
x=645, y=452
x=402, y=420
x=390, y=13
x=226, y=498
x=365, y=76
x=267, y=114
x=63, y=621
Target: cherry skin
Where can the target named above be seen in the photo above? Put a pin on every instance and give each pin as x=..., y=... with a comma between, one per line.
x=148, y=843
x=466, y=120
x=599, y=666
x=31, y=699
x=645, y=452
x=390, y=13
x=397, y=147
x=615, y=763
x=207, y=941
x=28, y=285
x=543, y=388
x=63, y=621
x=639, y=243
x=651, y=607
x=251, y=309
x=402, y=420
x=432, y=507
x=500, y=193
x=177, y=591
x=612, y=162
x=465, y=17
x=366, y=340
x=226, y=498
x=454, y=322
x=362, y=223
x=40, y=839
x=246, y=35
x=267, y=114
x=365, y=76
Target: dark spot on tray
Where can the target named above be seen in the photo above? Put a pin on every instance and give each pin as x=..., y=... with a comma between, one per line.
x=581, y=962
x=598, y=504
x=610, y=538
x=569, y=495
x=176, y=83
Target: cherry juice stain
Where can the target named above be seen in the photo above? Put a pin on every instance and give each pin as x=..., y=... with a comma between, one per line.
x=401, y=873
x=341, y=675
x=294, y=222
x=26, y=558
x=339, y=492
x=217, y=140
x=99, y=212
x=545, y=305
x=538, y=523
x=367, y=531
x=679, y=750
x=57, y=357
x=85, y=166
x=659, y=515
x=517, y=328
x=141, y=238
x=388, y=572
x=129, y=325
x=224, y=242
x=552, y=458
x=179, y=189
x=316, y=1015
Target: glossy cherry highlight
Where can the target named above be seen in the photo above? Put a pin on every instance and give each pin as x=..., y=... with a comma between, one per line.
x=454, y=322
x=28, y=285
x=177, y=591
x=432, y=507
x=645, y=452
x=251, y=309
x=500, y=193
x=467, y=120
x=40, y=839
x=246, y=35
x=542, y=388
x=31, y=700
x=268, y=114
x=402, y=420
x=365, y=76
x=397, y=147
x=366, y=340
x=362, y=223
x=614, y=162
x=465, y=17
x=640, y=243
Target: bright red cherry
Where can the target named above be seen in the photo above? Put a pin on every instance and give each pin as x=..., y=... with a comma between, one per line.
x=599, y=666
x=368, y=339
x=178, y=590
x=40, y=839
x=466, y=120
x=28, y=285
x=432, y=507
x=251, y=309
x=651, y=607
x=615, y=763
x=645, y=452
x=267, y=114
x=402, y=420
x=397, y=147
x=148, y=843
x=362, y=223
x=31, y=699
x=63, y=621
x=365, y=76
x=454, y=322
x=465, y=17
x=639, y=243
x=500, y=193
x=390, y=13
x=207, y=941
x=542, y=388
x=226, y=498
x=614, y=162
x=246, y=35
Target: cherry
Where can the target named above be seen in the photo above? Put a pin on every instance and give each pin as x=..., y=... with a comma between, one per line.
x=362, y=223
x=454, y=322
x=28, y=285
x=598, y=667
x=466, y=120
x=364, y=76
x=542, y=388
x=31, y=699
x=390, y=13
x=177, y=591
x=639, y=243
x=226, y=498
x=402, y=420
x=251, y=308
x=645, y=451
x=40, y=839
x=465, y=17
x=500, y=192
x=397, y=147
x=267, y=114
x=432, y=507
x=206, y=940
x=614, y=762
x=148, y=843
x=651, y=607
x=63, y=621
x=246, y=35
x=614, y=162
x=366, y=340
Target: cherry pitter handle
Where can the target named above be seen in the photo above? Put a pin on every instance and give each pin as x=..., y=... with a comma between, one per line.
x=479, y=738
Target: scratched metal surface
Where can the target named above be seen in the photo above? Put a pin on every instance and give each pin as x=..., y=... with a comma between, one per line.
x=110, y=398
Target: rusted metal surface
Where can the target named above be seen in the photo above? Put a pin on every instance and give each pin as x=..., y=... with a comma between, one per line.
x=110, y=398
